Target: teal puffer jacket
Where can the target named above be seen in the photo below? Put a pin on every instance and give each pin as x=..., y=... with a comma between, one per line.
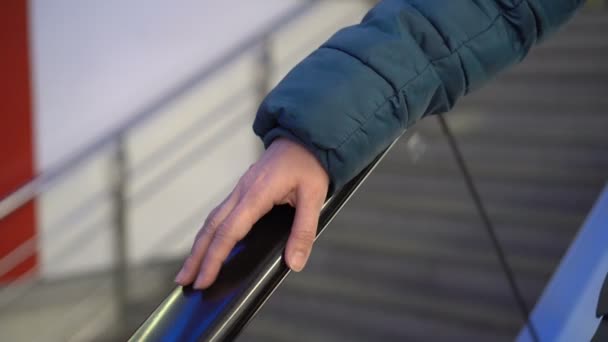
x=408, y=58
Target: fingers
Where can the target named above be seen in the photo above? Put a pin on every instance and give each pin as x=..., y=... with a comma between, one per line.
x=192, y=263
x=304, y=229
x=234, y=228
x=221, y=245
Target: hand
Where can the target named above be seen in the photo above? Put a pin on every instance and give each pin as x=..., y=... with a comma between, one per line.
x=286, y=173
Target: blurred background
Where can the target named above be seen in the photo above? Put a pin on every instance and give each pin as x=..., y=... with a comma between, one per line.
x=123, y=123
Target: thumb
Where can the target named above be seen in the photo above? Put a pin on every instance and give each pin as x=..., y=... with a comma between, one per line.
x=304, y=229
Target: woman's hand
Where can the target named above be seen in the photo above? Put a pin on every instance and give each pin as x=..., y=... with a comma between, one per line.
x=286, y=173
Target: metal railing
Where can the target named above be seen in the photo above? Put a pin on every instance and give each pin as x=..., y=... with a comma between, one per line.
x=123, y=168
x=43, y=181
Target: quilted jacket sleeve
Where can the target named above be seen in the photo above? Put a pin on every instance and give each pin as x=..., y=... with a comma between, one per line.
x=407, y=58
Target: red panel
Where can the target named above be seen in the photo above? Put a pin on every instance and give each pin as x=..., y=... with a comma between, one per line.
x=16, y=148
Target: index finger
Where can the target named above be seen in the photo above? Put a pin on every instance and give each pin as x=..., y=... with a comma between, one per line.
x=193, y=262
x=236, y=226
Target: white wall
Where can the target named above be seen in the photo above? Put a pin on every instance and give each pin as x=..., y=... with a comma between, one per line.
x=97, y=63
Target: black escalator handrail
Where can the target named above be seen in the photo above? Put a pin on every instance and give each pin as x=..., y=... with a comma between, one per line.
x=254, y=269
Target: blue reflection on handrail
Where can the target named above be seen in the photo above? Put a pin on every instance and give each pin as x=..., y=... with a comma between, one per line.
x=185, y=329
x=248, y=277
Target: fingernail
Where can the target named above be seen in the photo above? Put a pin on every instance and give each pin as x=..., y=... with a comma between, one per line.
x=179, y=278
x=298, y=261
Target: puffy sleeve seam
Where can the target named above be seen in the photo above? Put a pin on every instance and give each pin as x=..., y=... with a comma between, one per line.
x=431, y=63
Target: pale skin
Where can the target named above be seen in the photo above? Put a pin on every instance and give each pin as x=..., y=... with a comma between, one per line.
x=286, y=173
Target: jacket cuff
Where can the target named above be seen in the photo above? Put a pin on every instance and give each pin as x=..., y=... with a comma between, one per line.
x=320, y=154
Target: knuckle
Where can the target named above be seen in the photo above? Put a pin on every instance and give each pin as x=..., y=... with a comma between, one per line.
x=205, y=230
x=214, y=212
x=258, y=184
x=225, y=234
x=257, y=199
x=250, y=197
x=211, y=222
x=245, y=208
x=317, y=191
x=304, y=238
x=247, y=179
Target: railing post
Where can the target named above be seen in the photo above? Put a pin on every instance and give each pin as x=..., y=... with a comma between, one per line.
x=119, y=189
x=263, y=70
